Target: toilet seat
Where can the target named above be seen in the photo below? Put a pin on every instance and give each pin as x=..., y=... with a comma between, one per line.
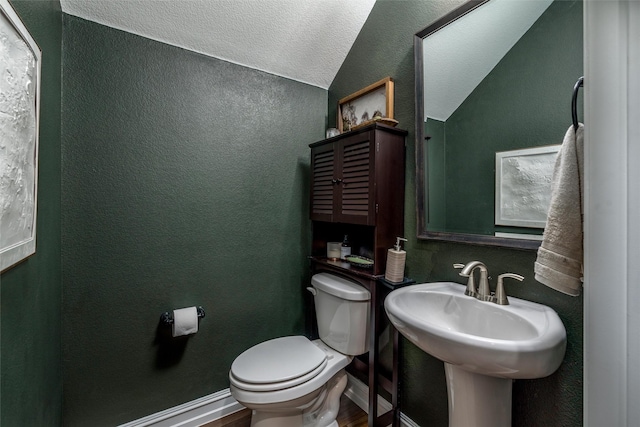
x=335, y=361
x=278, y=364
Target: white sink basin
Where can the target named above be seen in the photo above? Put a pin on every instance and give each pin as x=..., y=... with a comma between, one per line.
x=519, y=340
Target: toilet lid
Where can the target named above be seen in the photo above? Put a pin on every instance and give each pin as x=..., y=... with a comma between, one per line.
x=279, y=360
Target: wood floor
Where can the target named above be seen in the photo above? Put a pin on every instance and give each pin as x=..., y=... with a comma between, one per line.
x=350, y=416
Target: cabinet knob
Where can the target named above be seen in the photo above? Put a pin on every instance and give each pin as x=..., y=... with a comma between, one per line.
x=336, y=181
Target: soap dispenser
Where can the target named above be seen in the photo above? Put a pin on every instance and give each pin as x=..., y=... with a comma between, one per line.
x=345, y=248
x=395, y=262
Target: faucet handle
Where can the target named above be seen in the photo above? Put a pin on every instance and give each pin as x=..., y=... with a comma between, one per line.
x=471, y=284
x=501, y=296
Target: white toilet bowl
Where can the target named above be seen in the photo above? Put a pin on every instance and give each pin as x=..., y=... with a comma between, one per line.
x=295, y=382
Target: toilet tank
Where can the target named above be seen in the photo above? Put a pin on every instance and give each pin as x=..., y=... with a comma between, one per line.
x=342, y=311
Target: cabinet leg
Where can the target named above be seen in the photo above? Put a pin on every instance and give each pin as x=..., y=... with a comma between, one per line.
x=395, y=378
x=373, y=357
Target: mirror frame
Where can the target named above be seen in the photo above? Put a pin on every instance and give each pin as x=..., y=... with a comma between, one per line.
x=421, y=168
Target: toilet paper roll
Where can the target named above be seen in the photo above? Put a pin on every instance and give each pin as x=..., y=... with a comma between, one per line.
x=185, y=321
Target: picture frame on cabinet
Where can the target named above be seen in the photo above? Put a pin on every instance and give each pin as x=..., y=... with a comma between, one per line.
x=19, y=131
x=373, y=103
x=523, y=186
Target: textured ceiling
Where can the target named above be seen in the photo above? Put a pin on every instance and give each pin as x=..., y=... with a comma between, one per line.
x=304, y=40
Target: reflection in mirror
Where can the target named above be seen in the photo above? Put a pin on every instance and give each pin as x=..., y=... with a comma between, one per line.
x=493, y=76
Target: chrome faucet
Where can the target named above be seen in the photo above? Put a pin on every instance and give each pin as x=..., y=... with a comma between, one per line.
x=501, y=296
x=483, y=293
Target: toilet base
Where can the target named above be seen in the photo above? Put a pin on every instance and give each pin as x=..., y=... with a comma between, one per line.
x=280, y=422
x=317, y=409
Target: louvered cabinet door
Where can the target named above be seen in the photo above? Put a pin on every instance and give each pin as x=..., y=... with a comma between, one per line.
x=323, y=183
x=355, y=180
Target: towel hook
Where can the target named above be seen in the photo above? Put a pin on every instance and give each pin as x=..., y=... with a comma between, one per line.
x=574, y=102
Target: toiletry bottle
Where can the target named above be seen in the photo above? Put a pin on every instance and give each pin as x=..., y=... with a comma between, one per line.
x=395, y=262
x=345, y=249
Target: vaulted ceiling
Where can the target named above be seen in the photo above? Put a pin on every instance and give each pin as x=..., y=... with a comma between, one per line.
x=304, y=40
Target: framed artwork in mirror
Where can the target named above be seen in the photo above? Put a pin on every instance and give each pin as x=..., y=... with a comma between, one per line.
x=523, y=186
x=19, y=126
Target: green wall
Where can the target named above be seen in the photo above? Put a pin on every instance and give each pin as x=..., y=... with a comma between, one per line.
x=185, y=182
x=31, y=387
x=384, y=47
x=436, y=188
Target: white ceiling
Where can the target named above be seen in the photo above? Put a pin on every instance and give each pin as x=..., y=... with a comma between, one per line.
x=304, y=40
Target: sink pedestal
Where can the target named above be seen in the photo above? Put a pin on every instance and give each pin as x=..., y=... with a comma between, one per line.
x=477, y=400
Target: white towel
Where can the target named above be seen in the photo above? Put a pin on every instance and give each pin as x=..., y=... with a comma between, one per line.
x=560, y=256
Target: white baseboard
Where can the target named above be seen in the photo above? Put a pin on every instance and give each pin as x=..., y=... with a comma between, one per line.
x=358, y=392
x=219, y=405
x=192, y=414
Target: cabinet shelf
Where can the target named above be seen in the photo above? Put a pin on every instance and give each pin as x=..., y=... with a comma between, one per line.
x=345, y=268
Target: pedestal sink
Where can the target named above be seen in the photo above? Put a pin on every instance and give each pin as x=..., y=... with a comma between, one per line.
x=485, y=346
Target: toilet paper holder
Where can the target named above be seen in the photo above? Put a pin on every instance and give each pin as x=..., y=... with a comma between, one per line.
x=166, y=318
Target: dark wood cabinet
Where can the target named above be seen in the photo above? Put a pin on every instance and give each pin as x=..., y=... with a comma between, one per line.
x=357, y=178
x=357, y=189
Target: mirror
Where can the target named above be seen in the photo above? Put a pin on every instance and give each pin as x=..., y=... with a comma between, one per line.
x=492, y=76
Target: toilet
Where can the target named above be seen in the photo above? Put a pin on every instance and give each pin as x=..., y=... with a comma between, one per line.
x=295, y=382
